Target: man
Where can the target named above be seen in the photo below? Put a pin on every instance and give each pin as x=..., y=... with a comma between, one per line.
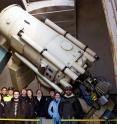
x=4, y=91
x=48, y=101
x=9, y=95
x=23, y=95
x=15, y=108
x=70, y=107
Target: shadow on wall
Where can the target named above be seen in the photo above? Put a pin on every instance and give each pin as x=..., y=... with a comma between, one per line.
x=92, y=31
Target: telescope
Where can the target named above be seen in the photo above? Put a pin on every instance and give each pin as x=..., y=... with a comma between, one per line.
x=57, y=58
x=51, y=52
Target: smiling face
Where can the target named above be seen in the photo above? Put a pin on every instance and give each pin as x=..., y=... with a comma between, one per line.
x=4, y=91
x=57, y=96
x=23, y=92
x=52, y=93
x=10, y=92
x=39, y=93
x=29, y=93
x=16, y=94
x=68, y=91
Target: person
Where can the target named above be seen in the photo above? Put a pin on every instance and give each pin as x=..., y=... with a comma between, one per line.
x=53, y=108
x=30, y=104
x=1, y=108
x=4, y=92
x=48, y=100
x=9, y=95
x=70, y=107
x=23, y=95
x=15, y=109
x=40, y=104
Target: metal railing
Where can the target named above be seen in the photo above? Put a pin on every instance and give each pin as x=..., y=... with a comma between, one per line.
x=40, y=120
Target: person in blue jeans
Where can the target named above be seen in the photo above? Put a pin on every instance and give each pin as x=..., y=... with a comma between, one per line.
x=53, y=108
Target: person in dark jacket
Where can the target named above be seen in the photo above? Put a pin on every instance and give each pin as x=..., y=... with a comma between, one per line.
x=48, y=100
x=70, y=107
x=30, y=104
x=15, y=109
x=1, y=108
x=40, y=104
x=23, y=95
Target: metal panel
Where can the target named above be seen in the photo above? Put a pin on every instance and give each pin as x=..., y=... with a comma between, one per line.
x=4, y=58
x=21, y=75
x=61, y=12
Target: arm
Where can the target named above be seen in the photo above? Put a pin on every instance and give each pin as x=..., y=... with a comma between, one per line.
x=6, y=109
x=50, y=109
x=60, y=109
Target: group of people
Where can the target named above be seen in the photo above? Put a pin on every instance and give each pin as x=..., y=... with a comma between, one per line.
x=23, y=104
x=65, y=107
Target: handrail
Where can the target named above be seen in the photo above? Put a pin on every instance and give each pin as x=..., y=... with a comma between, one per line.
x=62, y=120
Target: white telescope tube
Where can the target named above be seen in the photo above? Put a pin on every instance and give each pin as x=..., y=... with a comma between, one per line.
x=42, y=82
x=49, y=57
x=54, y=26
x=64, y=83
x=62, y=32
x=75, y=41
x=89, y=57
x=68, y=36
x=78, y=68
x=70, y=74
x=88, y=50
x=31, y=66
x=40, y=49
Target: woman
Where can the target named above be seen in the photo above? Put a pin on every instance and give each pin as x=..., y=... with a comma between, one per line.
x=40, y=104
x=31, y=103
x=53, y=108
